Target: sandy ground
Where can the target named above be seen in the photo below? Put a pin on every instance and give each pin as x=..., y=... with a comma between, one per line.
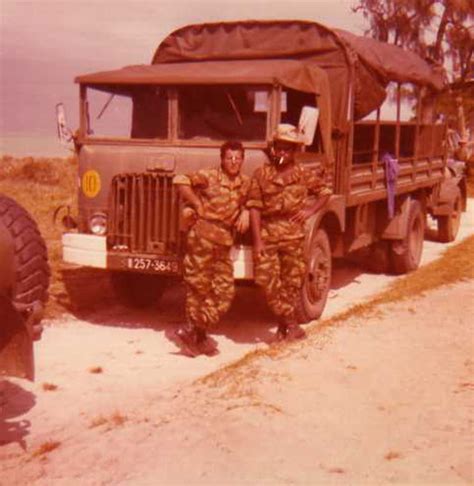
x=387, y=399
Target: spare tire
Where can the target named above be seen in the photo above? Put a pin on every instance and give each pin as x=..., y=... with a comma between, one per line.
x=29, y=268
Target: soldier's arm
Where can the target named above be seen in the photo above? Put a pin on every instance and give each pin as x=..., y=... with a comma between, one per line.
x=186, y=187
x=316, y=186
x=255, y=205
x=255, y=224
x=243, y=221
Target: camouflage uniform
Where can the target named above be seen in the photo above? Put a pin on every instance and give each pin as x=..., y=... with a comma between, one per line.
x=281, y=270
x=208, y=270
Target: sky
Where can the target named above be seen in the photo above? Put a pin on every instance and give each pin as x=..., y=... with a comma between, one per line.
x=44, y=44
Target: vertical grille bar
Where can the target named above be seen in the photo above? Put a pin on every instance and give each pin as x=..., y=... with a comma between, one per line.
x=124, y=180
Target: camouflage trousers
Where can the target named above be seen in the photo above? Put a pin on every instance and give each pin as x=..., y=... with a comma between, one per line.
x=208, y=274
x=280, y=272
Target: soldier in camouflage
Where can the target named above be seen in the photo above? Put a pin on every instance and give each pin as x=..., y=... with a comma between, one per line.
x=217, y=198
x=278, y=211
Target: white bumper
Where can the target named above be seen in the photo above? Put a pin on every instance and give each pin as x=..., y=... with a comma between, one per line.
x=88, y=250
x=91, y=251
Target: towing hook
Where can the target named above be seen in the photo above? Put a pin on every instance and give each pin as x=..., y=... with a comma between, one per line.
x=67, y=220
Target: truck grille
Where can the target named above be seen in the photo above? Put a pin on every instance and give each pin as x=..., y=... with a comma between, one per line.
x=144, y=214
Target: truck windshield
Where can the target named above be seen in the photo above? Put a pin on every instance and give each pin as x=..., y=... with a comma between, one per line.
x=211, y=113
x=222, y=112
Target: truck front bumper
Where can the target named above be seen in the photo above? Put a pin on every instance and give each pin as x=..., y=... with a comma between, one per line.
x=91, y=251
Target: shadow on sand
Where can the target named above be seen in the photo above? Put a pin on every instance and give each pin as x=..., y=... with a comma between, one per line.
x=14, y=402
x=90, y=297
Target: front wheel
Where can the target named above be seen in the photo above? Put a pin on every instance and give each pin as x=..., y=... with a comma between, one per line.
x=406, y=254
x=313, y=296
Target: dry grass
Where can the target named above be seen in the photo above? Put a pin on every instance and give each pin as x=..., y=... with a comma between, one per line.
x=40, y=185
x=96, y=370
x=49, y=387
x=115, y=420
x=390, y=456
x=45, y=448
x=97, y=421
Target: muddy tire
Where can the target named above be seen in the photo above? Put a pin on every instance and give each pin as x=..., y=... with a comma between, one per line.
x=137, y=289
x=378, y=258
x=317, y=283
x=406, y=254
x=31, y=270
x=448, y=225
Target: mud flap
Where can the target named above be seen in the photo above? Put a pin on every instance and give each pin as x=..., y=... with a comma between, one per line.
x=16, y=344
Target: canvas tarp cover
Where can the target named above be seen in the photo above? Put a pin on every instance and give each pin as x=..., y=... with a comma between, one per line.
x=375, y=63
x=292, y=74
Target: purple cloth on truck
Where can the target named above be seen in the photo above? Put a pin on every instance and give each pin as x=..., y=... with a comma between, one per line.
x=391, y=174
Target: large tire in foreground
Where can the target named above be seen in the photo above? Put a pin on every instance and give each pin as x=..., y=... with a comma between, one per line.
x=406, y=254
x=30, y=268
x=138, y=289
x=448, y=225
x=314, y=293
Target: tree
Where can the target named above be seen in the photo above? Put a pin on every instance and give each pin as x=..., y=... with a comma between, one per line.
x=442, y=32
x=439, y=30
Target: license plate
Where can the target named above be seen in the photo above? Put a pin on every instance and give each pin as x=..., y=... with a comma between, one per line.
x=152, y=265
x=145, y=264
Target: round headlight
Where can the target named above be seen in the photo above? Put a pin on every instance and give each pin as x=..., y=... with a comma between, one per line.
x=98, y=224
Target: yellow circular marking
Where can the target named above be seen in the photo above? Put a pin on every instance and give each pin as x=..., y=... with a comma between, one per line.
x=91, y=183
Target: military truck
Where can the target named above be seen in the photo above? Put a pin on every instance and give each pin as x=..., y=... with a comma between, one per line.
x=24, y=282
x=140, y=125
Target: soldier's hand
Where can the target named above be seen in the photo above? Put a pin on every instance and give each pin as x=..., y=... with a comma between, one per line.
x=301, y=216
x=243, y=221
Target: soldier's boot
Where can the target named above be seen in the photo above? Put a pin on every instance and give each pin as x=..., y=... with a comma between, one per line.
x=206, y=344
x=195, y=341
x=289, y=330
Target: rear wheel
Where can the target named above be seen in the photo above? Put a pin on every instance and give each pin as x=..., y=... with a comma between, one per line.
x=313, y=296
x=406, y=254
x=138, y=289
x=448, y=225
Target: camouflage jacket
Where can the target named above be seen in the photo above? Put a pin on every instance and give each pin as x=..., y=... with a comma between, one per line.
x=222, y=199
x=280, y=198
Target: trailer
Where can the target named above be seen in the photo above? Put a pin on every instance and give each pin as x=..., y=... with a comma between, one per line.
x=141, y=125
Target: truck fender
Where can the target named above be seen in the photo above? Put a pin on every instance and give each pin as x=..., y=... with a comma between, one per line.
x=448, y=191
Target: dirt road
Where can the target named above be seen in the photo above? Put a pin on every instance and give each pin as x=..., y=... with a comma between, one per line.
x=387, y=400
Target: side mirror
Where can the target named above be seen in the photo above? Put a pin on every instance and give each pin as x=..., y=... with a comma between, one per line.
x=308, y=123
x=64, y=132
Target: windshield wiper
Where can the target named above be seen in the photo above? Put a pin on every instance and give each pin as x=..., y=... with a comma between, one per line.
x=234, y=107
x=107, y=103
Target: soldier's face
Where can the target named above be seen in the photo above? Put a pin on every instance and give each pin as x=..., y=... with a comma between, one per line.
x=232, y=162
x=284, y=152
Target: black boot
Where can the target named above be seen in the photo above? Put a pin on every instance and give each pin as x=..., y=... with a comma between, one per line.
x=289, y=330
x=195, y=341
